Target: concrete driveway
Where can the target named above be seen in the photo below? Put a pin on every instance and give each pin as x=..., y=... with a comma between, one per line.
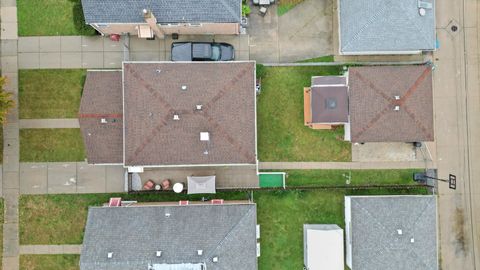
x=302, y=33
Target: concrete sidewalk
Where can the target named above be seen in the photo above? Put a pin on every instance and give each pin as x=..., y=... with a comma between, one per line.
x=342, y=165
x=49, y=123
x=70, y=177
x=11, y=151
x=50, y=249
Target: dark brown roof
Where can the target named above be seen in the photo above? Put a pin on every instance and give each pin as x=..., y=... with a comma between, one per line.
x=102, y=98
x=153, y=95
x=329, y=99
x=372, y=103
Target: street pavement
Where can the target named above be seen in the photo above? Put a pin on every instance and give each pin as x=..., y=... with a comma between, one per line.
x=457, y=127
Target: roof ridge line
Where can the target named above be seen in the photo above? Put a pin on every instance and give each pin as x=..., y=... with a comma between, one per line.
x=366, y=25
x=229, y=232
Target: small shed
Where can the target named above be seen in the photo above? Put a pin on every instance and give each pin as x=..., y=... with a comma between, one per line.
x=201, y=184
x=326, y=102
x=323, y=247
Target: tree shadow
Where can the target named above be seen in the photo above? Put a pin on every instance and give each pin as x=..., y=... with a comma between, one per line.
x=79, y=19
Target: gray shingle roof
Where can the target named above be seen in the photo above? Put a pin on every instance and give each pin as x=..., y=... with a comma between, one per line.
x=166, y=11
x=376, y=243
x=134, y=234
x=385, y=26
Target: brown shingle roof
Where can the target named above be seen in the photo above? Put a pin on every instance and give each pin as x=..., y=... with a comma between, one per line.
x=102, y=98
x=329, y=99
x=372, y=102
x=153, y=94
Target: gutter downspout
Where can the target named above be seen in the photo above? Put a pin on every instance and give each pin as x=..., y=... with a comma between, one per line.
x=152, y=22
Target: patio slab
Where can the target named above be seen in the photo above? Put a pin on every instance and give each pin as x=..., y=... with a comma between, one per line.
x=90, y=178
x=115, y=179
x=306, y=31
x=62, y=178
x=33, y=178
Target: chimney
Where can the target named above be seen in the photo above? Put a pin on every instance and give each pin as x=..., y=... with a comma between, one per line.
x=152, y=22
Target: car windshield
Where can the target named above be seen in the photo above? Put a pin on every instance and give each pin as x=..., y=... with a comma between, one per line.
x=216, y=53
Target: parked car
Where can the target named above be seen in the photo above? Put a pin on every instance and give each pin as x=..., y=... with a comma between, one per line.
x=202, y=51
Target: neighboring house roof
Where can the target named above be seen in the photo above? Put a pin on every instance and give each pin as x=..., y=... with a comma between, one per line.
x=329, y=99
x=391, y=232
x=386, y=26
x=134, y=234
x=373, y=92
x=155, y=92
x=102, y=99
x=166, y=11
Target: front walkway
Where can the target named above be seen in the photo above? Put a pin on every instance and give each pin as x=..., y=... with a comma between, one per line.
x=49, y=123
x=50, y=249
x=70, y=177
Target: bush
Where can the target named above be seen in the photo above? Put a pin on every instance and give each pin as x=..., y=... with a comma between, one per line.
x=246, y=10
x=261, y=71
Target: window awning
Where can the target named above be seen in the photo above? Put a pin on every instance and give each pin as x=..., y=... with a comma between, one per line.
x=201, y=184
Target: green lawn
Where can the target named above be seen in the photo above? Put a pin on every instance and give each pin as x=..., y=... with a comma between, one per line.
x=282, y=135
x=286, y=5
x=50, y=93
x=281, y=215
x=1, y=145
x=341, y=177
x=60, y=219
x=49, y=262
x=327, y=58
x=51, y=18
x=51, y=145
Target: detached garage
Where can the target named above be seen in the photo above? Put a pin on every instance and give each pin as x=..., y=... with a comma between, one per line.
x=323, y=247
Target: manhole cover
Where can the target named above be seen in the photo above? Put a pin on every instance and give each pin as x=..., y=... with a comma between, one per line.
x=453, y=27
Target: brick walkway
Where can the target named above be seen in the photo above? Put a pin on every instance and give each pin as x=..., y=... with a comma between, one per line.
x=10, y=179
x=49, y=123
x=50, y=249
